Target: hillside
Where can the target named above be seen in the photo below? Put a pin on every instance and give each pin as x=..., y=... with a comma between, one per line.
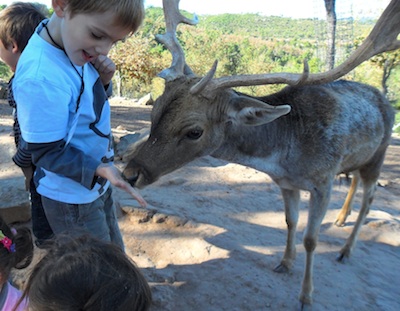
x=265, y=27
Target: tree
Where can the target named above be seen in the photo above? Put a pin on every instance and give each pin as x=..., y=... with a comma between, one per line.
x=387, y=61
x=331, y=31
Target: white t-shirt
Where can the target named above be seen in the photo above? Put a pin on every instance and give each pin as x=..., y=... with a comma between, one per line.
x=46, y=87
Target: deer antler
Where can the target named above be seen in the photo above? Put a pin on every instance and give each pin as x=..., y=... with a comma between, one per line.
x=382, y=38
x=249, y=80
x=172, y=18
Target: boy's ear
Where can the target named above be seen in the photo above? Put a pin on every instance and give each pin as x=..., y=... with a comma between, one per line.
x=59, y=7
x=14, y=47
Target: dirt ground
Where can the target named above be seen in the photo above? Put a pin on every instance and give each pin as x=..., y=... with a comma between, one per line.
x=214, y=231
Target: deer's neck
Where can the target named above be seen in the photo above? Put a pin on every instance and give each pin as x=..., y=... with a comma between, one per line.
x=260, y=147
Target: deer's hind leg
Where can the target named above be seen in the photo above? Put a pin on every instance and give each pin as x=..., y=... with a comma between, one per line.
x=346, y=208
x=369, y=174
x=369, y=188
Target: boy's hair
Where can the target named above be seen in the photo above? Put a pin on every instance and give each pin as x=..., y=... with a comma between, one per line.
x=128, y=13
x=18, y=22
x=81, y=272
x=16, y=248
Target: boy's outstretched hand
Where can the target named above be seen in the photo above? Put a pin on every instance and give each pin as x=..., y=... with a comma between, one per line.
x=105, y=67
x=111, y=173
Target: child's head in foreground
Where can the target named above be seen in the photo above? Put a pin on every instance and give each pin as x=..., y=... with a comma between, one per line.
x=84, y=273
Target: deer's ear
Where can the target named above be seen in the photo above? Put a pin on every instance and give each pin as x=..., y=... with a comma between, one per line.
x=250, y=111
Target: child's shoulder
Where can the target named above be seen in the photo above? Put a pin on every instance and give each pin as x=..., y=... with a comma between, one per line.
x=41, y=51
x=40, y=61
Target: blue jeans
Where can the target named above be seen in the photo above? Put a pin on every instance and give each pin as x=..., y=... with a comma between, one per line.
x=97, y=218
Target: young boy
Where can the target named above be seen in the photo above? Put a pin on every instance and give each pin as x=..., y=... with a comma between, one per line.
x=60, y=89
x=17, y=23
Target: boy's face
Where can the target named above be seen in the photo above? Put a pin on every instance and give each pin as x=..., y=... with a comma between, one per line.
x=9, y=55
x=86, y=36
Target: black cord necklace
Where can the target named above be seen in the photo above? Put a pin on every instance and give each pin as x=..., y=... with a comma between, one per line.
x=78, y=101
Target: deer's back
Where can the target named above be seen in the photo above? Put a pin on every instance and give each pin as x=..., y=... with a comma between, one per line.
x=338, y=108
x=331, y=128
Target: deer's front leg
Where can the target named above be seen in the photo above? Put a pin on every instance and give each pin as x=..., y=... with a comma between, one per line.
x=291, y=199
x=319, y=200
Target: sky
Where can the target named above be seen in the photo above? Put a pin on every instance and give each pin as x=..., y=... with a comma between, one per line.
x=286, y=8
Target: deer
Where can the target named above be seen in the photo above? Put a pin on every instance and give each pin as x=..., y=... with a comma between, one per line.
x=303, y=136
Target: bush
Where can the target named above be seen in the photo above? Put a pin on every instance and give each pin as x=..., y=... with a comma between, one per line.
x=397, y=122
x=5, y=72
x=396, y=104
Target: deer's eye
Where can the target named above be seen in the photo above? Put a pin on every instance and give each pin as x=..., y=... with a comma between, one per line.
x=194, y=134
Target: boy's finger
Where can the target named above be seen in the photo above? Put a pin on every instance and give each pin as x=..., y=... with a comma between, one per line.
x=133, y=192
x=138, y=198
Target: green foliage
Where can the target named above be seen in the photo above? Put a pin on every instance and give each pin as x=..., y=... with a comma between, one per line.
x=5, y=72
x=397, y=121
x=266, y=27
x=394, y=86
x=242, y=44
x=135, y=62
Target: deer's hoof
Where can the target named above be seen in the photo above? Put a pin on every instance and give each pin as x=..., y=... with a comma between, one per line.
x=342, y=258
x=340, y=222
x=305, y=306
x=305, y=301
x=281, y=269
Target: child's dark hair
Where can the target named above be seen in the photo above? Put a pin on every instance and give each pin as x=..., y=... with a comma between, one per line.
x=85, y=273
x=16, y=248
x=15, y=21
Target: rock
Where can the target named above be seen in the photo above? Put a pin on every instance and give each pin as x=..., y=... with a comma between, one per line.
x=146, y=100
x=18, y=213
x=124, y=142
x=14, y=203
x=128, y=143
x=383, y=182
